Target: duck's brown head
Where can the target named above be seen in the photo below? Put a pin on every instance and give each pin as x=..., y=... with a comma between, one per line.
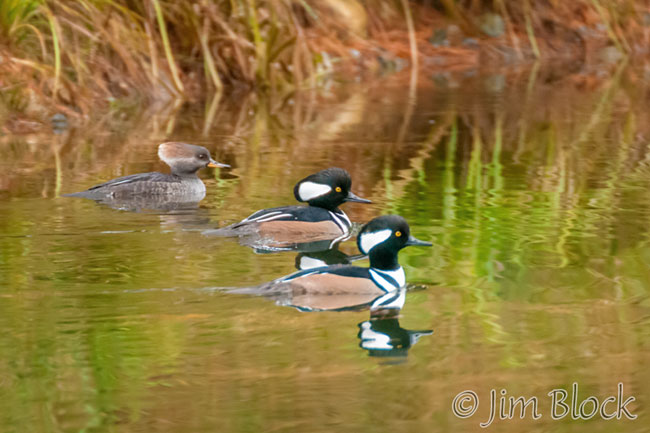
x=186, y=159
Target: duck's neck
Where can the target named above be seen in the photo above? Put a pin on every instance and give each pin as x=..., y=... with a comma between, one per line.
x=184, y=174
x=383, y=260
x=325, y=206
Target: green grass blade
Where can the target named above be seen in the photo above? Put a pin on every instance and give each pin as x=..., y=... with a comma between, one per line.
x=167, y=46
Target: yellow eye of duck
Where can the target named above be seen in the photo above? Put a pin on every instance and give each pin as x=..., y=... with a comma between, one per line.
x=338, y=189
x=398, y=233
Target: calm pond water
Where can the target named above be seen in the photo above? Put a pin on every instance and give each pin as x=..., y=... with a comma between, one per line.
x=532, y=188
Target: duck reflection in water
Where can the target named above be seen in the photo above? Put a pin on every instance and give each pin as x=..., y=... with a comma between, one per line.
x=382, y=336
x=319, y=259
x=314, y=254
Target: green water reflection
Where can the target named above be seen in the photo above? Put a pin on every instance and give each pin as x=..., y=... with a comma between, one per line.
x=535, y=197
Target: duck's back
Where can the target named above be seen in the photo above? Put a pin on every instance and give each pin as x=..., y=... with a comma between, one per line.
x=145, y=184
x=290, y=223
x=327, y=280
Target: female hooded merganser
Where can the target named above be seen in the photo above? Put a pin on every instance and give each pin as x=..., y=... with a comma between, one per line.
x=324, y=192
x=343, y=286
x=183, y=183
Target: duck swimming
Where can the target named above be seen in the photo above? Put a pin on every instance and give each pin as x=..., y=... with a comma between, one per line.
x=322, y=219
x=182, y=183
x=342, y=286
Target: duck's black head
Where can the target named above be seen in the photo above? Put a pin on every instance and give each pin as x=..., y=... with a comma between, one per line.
x=186, y=159
x=383, y=237
x=328, y=189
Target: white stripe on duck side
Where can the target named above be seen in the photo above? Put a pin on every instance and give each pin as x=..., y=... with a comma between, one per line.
x=397, y=275
x=297, y=275
x=341, y=220
x=264, y=215
x=344, y=237
x=272, y=218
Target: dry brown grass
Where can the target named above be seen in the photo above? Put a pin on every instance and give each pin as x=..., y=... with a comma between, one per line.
x=77, y=53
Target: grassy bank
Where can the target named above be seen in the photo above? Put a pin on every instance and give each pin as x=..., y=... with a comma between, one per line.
x=77, y=54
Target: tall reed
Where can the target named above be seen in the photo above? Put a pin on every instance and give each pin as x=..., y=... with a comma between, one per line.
x=76, y=52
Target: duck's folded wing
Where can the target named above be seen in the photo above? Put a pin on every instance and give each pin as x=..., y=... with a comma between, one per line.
x=274, y=216
x=327, y=280
x=285, y=213
x=140, y=177
x=153, y=177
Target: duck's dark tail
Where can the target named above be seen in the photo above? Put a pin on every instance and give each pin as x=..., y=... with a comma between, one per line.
x=80, y=194
x=236, y=229
x=266, y=289
x=223, y=231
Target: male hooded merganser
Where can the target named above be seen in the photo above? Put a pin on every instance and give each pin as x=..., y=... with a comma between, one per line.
x=324, y=192
x=183, y=159
x=338, y=286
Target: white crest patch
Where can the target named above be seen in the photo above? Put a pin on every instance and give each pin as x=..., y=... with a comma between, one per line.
x=310, y=190
x=369, y=240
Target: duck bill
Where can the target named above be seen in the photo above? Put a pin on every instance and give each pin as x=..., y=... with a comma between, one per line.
x=215, y=164
x=353, y=197
x=415, y=242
